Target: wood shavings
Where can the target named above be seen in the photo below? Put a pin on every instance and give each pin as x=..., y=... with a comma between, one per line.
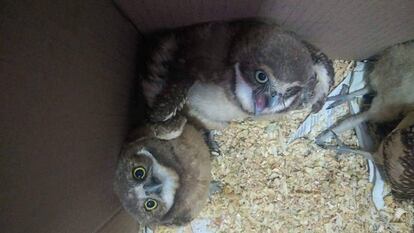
x=270, y=186
x=342, y=68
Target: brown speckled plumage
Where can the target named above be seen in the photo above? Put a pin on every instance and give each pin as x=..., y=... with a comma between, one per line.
x=181, y=165
x=398, y=157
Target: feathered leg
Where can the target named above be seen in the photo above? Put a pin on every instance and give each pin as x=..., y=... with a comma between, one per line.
x=170, y=101
x=346, y=124
x=341, y=147
x=343, y=98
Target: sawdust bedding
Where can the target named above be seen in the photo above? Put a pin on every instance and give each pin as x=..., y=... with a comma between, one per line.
x=270, y=186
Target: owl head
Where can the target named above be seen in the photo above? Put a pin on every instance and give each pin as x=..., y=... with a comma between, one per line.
x=163, y=182
x=273, y=70
x=146, y=187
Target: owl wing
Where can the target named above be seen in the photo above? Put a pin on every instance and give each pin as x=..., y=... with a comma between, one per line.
x=324, y=71
x=165, y=83
x=170, y=101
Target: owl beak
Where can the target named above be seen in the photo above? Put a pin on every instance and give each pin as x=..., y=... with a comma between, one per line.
x=154, y=186
x=259, y=103
x=273, y=100
x=265, y=100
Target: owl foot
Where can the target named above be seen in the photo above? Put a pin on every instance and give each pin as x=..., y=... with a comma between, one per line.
x=146, y=229
x=322, y=138
x=340, y=147
x=345, y=96
x=339, y=99
x=215, y=188
x=336, y=103
x=212, y=143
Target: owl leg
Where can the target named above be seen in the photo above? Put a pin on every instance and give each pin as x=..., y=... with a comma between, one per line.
x=347, y=149
x=342, y=98
x=215, y=187
x=170, y=101
x=346, y=124
x=209, y=137
x=145, y=229
x=341, y=148
x=349, y=96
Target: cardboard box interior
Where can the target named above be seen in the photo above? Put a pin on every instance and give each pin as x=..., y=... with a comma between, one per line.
x=68, y=91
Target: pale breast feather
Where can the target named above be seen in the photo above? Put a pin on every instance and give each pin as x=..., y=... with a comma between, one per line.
x=211, y=101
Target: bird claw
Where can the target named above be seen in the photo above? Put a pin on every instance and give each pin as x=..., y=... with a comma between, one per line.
x=338, y=140
x=321, y=141
x=215, y=187
x=322, y=138
x=342, y=149
x=336, y=103
x=147, y=229
x=212, y=143
x=214, y=149
x=339, y=99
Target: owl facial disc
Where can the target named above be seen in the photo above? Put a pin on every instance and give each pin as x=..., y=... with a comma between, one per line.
x=153, y=186
x=268, y=97
x=163, y=182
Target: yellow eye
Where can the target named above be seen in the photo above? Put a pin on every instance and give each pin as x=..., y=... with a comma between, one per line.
x=150, y=204
x=139, y=173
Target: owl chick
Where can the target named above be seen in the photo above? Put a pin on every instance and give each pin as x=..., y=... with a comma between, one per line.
x=225, y=71
x=392, y=82
x=164, y=182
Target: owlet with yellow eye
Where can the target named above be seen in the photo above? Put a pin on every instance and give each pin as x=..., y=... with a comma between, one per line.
x=224, y=71
x=164, y=182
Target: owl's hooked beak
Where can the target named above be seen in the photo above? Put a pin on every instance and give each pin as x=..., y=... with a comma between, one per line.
x=263, y=100
x=153, y=186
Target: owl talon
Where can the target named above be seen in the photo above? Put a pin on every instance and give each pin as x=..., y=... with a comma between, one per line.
x=215, y=153
x=321, y=139
x=343, y=149
x=345, y=96
x=336, y=103
x=340, y=143
x=214, y=149
x=146, y=229
x=212, y=143
x=215, y=188
x=339, y=147
x=339, y=99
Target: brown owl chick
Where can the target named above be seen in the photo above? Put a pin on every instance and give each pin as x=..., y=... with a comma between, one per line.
x=164, y=182
x=225, y=71
x=392, y=82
